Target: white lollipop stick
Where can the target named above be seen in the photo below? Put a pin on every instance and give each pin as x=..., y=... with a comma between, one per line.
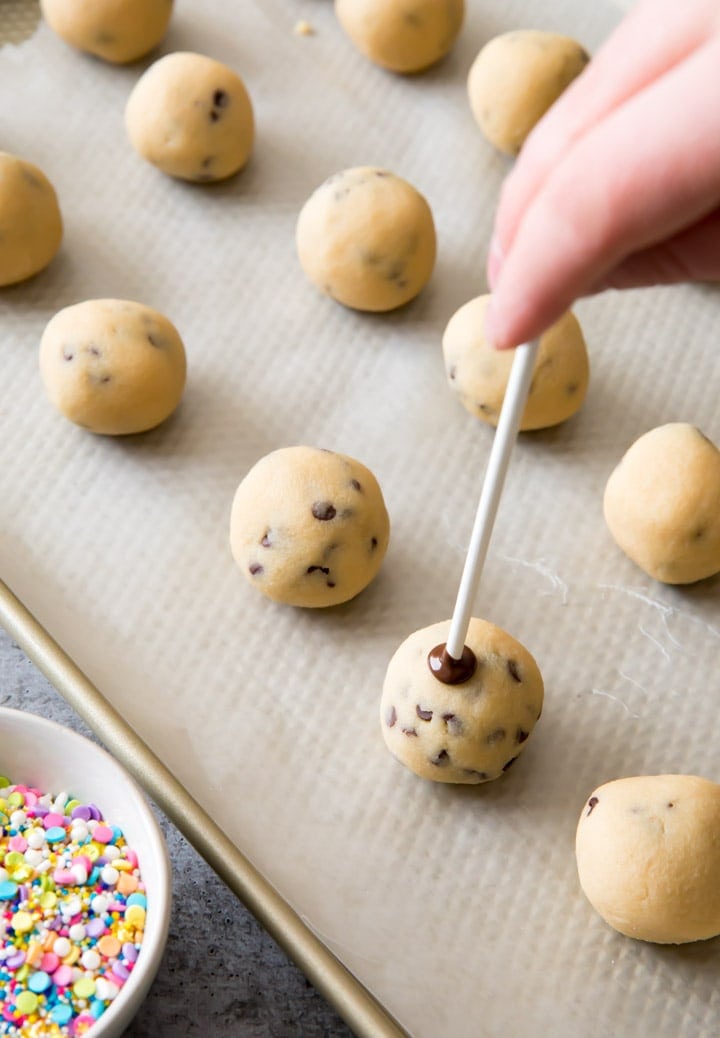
x=503, y=443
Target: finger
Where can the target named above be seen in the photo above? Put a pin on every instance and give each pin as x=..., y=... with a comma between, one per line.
x=692, y=255
x=647, y=171
x=651, y=40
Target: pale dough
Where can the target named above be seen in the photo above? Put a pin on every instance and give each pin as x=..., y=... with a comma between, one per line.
x=648, y=857
x=309, y=527
x=402, y=35
x=367, y=238
x=465, y=733
x=192, y=117
x=30, y=223
x=115, y=30
x=662, y=504
x=515, y=78
x=112, y=366
x=479, y=373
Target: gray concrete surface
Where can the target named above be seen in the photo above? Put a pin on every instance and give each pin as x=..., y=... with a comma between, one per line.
x=222, y=976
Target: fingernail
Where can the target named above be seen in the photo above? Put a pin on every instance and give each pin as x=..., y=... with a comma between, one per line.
x=494, y=260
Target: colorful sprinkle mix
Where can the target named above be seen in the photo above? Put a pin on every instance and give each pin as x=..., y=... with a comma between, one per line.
x=72, y=913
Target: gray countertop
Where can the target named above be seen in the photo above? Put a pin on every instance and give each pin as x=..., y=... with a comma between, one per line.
x=221, y=974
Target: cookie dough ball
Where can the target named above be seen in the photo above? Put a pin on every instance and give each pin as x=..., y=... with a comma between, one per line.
x=112, y=366
x=648, y=857
x=191, y=117
x=30, y=222
x=309, y=527
x=367, y=238
x=479, y=373
x=115, y=30
x=402, y=35
x=515, y=78
x=662, y=504
x=471, y=732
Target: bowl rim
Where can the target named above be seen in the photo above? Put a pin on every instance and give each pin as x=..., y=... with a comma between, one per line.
x=124, y=1006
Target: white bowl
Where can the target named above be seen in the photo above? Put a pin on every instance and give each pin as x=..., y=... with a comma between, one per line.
x=40, y=753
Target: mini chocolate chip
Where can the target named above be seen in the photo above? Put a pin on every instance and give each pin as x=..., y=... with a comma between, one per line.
x=266, y=542
x=514, y=671
x=207, y=162
x=521, y=735
x=485, y=408
x=453, y=723
x=670, y=804
x=591, y=804
x=105, y=378
x=497, y=736
x=95, y=350
x=699, y=533
x=316, y=569
x=424, y=715
x=572, y=387
x=373, y=543
x=153, y=342
x=354, y=483
x=482, y=775
x=452, y=373
x=391, y=717
x=381, y=173
x=441, y=759
x=256, y=568
x=509, y=763
x=214, y=115
x=67, y=354
x=409, y=731
x=330, y=583
x=221, y=99
x=324, y=510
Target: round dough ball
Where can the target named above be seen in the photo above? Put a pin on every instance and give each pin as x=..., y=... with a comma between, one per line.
x=112, y=366
x=662, y=504
x=309, y=527
x=115, y=30
x=191, y=117
x=402, y=36
x=479, y=373
x=515, y=78
x=30, y=222
x=648, y=857
x=466, y=733
x=367, y=238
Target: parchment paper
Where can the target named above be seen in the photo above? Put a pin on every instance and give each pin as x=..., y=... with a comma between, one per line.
x=458, y=908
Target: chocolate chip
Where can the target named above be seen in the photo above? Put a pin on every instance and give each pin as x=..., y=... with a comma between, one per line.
x=424, y=715
x=441, y=759
x=521, y=735
x=409, y=731
x=514, y=671
x=453, y=723
x=266, y=542
x=221, y=99
x=321, y=569
x=509, y=764
x=591, y=804
x=391, y=717
x=355, y=485
x=324, y=510
x=494, y=737
x=256, y=568
x=373, y=543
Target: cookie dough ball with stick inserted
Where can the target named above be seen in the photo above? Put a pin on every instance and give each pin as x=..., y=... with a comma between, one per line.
x=402, y=35
x=113, y=366
x=466, y=732
x=118, y=31
x=479, y=374
x=367, y=239
x=516, y=77
x=309, y=527
x=30, y=222
x=662, y=504
x=192, y=117
x=648, y=857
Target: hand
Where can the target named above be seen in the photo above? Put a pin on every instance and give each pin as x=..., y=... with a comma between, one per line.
x=619, y=184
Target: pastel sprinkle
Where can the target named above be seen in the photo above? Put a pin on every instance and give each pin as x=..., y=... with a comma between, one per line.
x=72, y=913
